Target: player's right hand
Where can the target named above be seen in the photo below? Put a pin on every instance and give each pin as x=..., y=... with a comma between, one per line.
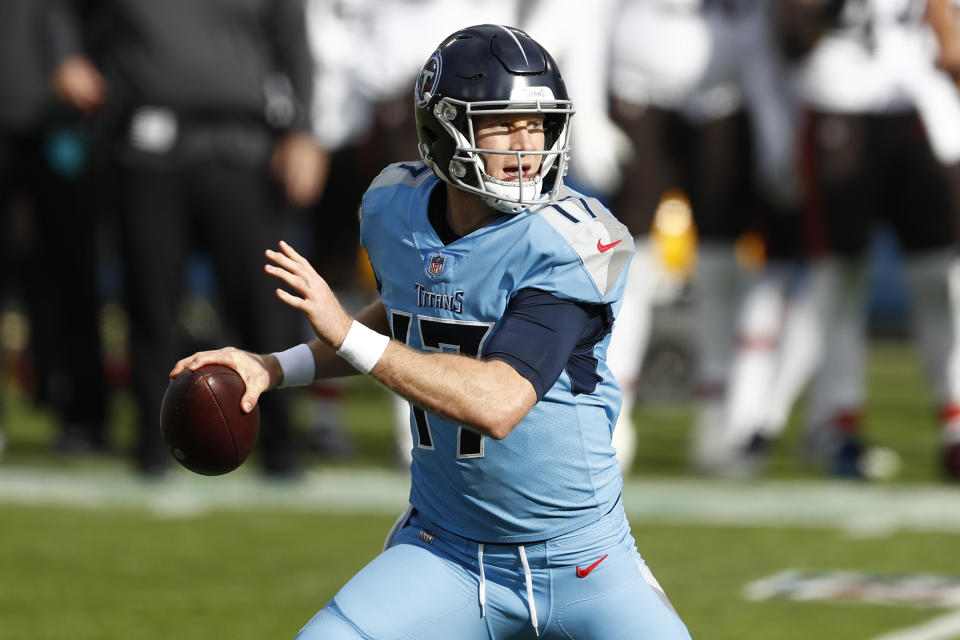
x=315, y=299
x=259, y=372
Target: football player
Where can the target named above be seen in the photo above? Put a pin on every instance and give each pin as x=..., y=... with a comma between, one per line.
x=882, y=128
x=499, y=286
x=708, y=118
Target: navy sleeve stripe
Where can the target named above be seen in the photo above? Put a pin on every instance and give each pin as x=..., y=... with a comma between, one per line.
x=583, y=203
x=540, y=335
x=563, y=213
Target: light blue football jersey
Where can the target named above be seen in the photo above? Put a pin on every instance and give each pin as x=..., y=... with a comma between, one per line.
x=557, y=470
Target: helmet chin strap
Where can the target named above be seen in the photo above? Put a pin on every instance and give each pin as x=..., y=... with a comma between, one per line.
x=511, y=196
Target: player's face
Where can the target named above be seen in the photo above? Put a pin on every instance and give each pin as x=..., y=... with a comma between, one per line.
x=503, y=132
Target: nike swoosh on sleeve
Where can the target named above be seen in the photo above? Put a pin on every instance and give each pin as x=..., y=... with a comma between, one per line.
x=603, y=248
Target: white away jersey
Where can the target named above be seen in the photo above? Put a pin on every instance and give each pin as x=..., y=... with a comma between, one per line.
x=864, y=64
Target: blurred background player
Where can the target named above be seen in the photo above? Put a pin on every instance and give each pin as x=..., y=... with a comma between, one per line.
x=48, y=230
x=208, y=109
x=711, y=133
x=881, y=144
x=779, y=339
x=882, y=155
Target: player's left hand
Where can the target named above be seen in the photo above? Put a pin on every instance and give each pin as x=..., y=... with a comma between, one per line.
x=316, y=300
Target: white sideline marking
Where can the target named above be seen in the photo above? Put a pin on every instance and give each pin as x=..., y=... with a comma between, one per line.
x=946, y=627
x=905, y=590
x=856, y=509
x=184, y=494
x=846, y=585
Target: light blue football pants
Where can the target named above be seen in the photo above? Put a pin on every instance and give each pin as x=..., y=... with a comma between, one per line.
x=430, y=584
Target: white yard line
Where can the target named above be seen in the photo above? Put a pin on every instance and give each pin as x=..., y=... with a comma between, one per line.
x=945, y=627
x=864, y=510
x=858, y=509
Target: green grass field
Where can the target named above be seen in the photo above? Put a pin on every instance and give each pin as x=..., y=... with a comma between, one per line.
x=89, y=552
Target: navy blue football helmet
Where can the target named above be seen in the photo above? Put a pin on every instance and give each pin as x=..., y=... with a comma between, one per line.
x=489, y=69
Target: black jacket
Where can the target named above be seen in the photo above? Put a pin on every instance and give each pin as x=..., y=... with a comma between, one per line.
x=196, y=57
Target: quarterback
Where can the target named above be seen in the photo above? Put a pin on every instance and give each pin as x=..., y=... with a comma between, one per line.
x=498, y=290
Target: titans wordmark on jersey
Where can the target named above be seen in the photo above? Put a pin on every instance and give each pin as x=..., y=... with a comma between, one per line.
x=557, y=470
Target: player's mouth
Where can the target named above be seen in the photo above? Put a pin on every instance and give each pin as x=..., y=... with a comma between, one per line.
x=525, y=171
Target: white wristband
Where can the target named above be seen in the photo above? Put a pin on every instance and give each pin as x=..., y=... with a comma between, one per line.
x=297, y=365
x=362, y=347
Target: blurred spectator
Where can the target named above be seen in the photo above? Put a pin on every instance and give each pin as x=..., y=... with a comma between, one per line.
x=48, y=226
x=208, y=108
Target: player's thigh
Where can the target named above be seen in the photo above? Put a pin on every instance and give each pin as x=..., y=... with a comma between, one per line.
x=407, y=592
x=919, y=199
x=842, y=181
x=615, y=602
x=719, y=177
x=651, y=171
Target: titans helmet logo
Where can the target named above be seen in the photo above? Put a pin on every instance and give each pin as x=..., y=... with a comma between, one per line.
x=427, y=80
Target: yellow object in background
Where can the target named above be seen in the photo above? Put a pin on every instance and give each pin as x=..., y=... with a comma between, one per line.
x=751, y=251
x=674, y=234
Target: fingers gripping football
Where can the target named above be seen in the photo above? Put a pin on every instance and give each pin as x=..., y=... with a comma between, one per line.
x=314, y=299
x=250, y=366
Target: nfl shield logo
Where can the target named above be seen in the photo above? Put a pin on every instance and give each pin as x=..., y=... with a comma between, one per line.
x=437, y=262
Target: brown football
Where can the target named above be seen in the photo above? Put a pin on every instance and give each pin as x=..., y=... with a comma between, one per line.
x=201, y=421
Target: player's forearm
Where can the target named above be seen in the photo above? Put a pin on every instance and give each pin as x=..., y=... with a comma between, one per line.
x=487, y=396
x=942, y=17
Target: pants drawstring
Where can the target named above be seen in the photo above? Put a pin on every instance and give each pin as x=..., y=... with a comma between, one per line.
x=482, y=592
x=529, y=580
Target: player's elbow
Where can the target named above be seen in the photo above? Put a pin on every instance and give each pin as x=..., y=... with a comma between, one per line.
x=500, y=428
x=499, y=419
x=501, y=400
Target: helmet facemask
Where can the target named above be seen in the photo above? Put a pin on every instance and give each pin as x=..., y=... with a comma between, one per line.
x=467, y=169
x=484, y=70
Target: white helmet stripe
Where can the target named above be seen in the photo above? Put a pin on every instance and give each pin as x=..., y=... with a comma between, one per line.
x=510, y=33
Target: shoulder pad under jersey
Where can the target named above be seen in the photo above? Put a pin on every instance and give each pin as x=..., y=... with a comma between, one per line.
x=603, y=244
x=409, y=174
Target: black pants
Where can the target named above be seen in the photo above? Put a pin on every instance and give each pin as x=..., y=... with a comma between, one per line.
x=861, y=169
x=711, y=163
x=49, y=259
x=231, y=213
